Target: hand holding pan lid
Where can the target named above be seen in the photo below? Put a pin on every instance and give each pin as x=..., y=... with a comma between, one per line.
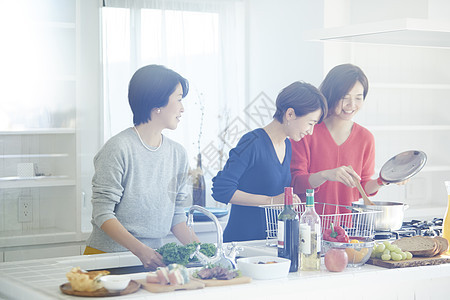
x=403, y=166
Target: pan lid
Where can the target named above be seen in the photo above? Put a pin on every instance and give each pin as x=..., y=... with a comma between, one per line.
x=403, y=166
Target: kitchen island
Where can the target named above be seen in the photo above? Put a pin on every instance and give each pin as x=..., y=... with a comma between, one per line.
x=40, y=279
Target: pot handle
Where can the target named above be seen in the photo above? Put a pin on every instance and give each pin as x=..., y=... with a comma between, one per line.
x=358, y=209
x=405, y=206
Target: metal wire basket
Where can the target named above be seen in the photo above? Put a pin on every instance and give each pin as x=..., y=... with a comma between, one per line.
x=355, y=221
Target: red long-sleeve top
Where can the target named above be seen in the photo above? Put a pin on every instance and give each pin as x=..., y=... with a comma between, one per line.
x=319, y=151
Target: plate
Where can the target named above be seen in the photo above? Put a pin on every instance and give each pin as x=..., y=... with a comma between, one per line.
x=200, y=217
x=403, y=166
x=132, y=287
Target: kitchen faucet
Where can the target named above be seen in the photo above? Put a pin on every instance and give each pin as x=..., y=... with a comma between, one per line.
x=219, y=258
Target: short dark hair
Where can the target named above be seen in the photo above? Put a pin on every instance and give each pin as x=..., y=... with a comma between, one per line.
x=150, y=87
x=303, y=98
x=339, y=81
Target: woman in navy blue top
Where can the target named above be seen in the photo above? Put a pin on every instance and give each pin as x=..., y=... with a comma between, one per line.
x=258, y=168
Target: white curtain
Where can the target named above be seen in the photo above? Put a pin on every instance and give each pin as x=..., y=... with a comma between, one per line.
x=203, y=40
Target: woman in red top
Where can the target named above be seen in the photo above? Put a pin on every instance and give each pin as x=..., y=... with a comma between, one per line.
x=340, y=149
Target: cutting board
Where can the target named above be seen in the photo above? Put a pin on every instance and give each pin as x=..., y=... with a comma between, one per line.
x=413, y=262
x=159, y=288
x=216, y=282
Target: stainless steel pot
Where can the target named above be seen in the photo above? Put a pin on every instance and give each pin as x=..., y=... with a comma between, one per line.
x=391, y=216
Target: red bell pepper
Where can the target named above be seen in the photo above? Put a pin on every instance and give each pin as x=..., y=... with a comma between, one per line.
x=335, y=234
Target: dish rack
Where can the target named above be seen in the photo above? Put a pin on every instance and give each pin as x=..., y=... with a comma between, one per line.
x=355, y=221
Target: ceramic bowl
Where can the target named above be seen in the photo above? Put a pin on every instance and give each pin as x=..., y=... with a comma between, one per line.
x=264, y=267
x=115, y=283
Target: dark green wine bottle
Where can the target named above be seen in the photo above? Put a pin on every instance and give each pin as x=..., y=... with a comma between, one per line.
x=288, y=231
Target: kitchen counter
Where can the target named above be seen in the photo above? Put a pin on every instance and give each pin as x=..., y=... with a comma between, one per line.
x=40, y=279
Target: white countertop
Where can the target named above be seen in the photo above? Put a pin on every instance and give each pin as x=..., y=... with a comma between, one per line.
x=40, y=279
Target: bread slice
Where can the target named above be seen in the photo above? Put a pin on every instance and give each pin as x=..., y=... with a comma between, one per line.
x=419, y=245
x=443, y=244
x=438, y=248
x=85, y=281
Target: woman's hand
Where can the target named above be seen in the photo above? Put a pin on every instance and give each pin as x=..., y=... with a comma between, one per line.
x=381, y=182
x=149, y=257
x=403, y=182
x=343, y=174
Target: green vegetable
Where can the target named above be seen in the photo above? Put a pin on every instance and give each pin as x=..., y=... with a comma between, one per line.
x=178, y=254
x=208, y=249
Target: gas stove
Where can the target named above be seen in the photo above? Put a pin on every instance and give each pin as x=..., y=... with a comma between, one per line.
x=412, y=228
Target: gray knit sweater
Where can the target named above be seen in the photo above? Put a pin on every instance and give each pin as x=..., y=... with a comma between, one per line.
x=145, y=190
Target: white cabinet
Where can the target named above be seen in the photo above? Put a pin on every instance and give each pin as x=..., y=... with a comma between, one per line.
x=50, y=196
x=50, y=122
x=407, y=62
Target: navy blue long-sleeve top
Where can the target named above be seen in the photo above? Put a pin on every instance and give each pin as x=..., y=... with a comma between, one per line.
x=253, y=167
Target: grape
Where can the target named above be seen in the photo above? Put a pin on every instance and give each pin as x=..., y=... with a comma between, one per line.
x=397, y=250
x=387, y=251
x=386, y=257
x=380, y=248
x=403, y=254
x=395, y=256
x=392, y=247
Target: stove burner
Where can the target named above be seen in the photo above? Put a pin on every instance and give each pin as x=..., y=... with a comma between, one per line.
x=383, y=235
x=412, y=228
x=431, y=232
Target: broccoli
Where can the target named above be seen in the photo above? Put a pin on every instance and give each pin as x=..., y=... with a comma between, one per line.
x=177, y=254
x=208, y=249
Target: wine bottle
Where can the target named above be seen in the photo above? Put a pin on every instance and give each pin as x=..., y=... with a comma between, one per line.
x=446, y=224
x=198, y=186
x=288, y=231
x=310, y=236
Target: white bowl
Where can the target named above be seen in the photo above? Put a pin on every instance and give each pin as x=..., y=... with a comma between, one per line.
x=115, y=283
x=257, y=267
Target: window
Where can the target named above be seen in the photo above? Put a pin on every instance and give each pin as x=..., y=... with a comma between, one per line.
x=200, y=39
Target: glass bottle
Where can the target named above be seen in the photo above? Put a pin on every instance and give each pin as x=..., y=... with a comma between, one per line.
x=198, y=186
x=288, y=231
x=446, y=225
x=310, y=236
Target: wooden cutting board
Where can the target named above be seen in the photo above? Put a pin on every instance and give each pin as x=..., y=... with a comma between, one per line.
x=132, y=287
x=216, y=282
x=159, y=288
x=413, y=262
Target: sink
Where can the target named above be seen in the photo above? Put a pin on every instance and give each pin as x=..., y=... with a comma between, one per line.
x=256, y=248
x=125, y=270
x=138, y=269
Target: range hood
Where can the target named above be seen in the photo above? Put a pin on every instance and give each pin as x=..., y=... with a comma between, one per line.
x=412, y=32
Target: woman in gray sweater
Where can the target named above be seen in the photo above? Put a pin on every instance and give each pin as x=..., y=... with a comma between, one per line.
x=139, y=184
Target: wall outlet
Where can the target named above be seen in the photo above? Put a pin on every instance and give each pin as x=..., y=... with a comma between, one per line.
x=25, y=209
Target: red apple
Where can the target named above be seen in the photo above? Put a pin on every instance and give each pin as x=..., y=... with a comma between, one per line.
x=336, y=260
